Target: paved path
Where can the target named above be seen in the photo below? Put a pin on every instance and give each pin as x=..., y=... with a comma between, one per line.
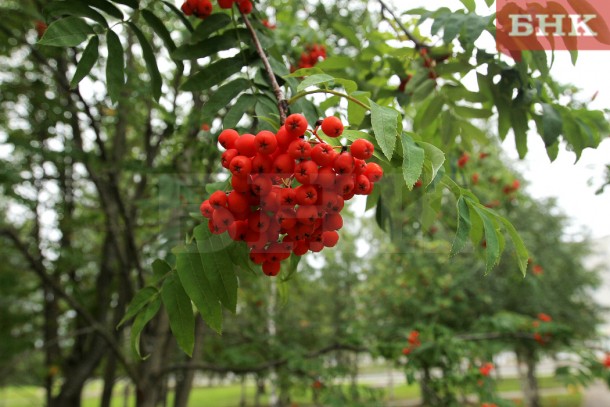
x=597, y=395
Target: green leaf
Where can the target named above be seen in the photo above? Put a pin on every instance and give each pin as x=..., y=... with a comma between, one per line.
x=159, y=28
x=520, y=249
x=355, y=112
x=214, y=74
x=266, y=113
x=87, y=60
x=209, y=46
x=435, y=158
x=139, y=301
x=223, y=96
x=552, y=124
x=217, y=265
x=349, y=86
x=236, y=112
x=131, y=3
x=181, y=15
x=107, y=8
x=156, y=82
x=470, y=5
x=453, y=26
x=304, y=72
x=140, y=322
x=463, y=228
x=212, y=24
x=492, y=240
x=335, y=63
x=315, y=80
x=472, y=112
x=518, y=118
x=197, y=286
x=160, y=270
x=115, y=66
x=73, y=8
x=430, y=113
x=385, y=126
x=348, y=33
x=66, y=32
x=413, y=160
x=180, y=313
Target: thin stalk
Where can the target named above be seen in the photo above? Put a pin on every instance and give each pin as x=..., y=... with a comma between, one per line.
x=279, y=95
x=332, y=92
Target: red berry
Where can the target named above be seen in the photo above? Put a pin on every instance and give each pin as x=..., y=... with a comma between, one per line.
x=326, y=177
x=286, y=218
x=238, y=230
x=362, y=185
x=362, y=149
x=288, y=197
x=259, y=221
x=330, y=238
x=226, y=4
x=295, y=125
x=206, y=209
x=218, y=200
x=306, y=195
x=262, y=164
x=227, y=156
x=373, y=172
x=245, y=6
x=284, y=165
x=344, y=164
x=332, y=221
x=258, y=258
x=463, y=160
x=265, y=142
x=241, y=184
x=223, y=216
x=299, y=149
x=271, y=201
x=306, y=172
x=344, y=184
x=332, y=126
x=245, y=145
x=237, y=202
x=261, y=185
x=227, y=138
x=204, y=9
x=300, y=248
x=271, y=268
x=240, y=166
x=284, y=139
x=323, y=154
x=187, y=9
x=307, y=214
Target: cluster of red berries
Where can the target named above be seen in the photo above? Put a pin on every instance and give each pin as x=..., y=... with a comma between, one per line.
x=606, y=361
x=311, y=56
x=414, y=343
x=288, y=189
x=203, y=8
x=489, y=405
x=486, y=369
x=538, y=337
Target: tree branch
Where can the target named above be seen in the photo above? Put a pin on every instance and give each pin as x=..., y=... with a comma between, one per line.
x=282, y=105
x=409, y=34
x=38, y=267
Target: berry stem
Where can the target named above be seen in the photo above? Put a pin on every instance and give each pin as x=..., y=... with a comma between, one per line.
x=332, y=92
x=281, y=102
x=409, y=34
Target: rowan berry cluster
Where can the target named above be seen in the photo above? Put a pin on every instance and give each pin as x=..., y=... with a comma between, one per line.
x=414, y=343
x=606, y=361
x=541, y=338
x=203, y=8
x=288, y=189
x=311, y=56
x=486, y=369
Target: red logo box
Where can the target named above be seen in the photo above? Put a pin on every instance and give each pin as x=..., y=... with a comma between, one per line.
x=523, y=25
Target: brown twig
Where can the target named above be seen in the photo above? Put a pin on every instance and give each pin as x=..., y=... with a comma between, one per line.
x=282, y=105
x=418, y=44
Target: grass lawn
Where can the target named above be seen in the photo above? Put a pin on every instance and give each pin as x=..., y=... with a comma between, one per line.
x=229, y=396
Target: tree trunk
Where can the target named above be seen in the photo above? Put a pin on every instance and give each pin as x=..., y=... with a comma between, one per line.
x=185, y=385
x=529, y=381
